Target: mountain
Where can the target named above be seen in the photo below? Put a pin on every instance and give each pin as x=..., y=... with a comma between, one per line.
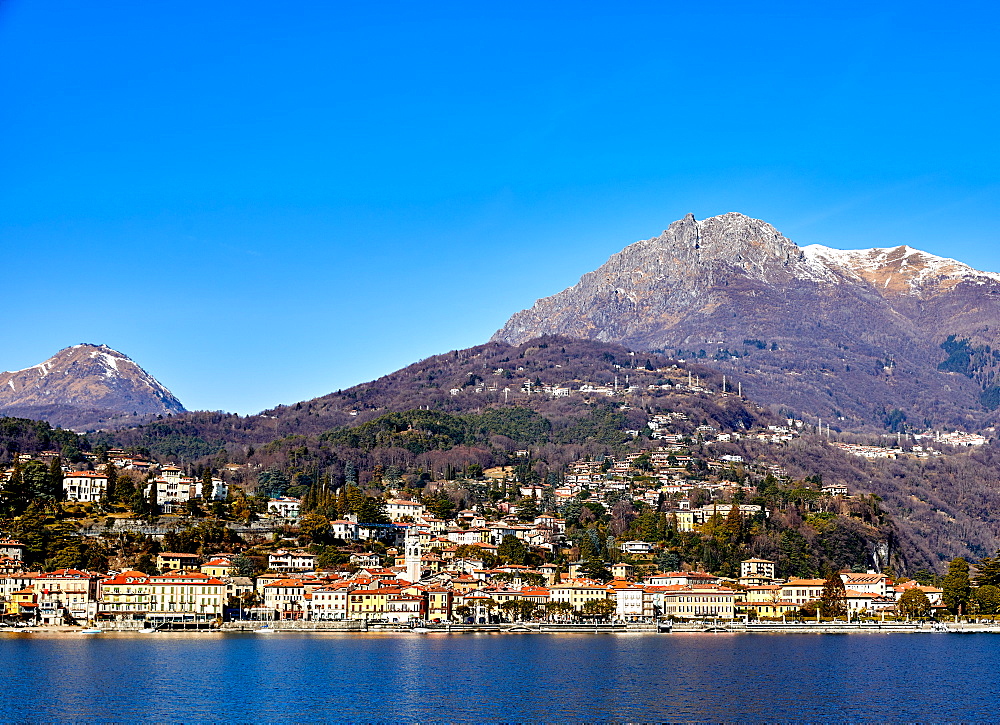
x=86, y=387
x=472, y=406
x=457, y=382
x=890, y=337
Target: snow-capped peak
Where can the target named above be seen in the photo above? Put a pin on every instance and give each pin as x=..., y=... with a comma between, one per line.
x=901, y=269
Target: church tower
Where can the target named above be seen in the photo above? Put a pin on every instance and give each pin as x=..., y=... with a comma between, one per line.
x=414, y=552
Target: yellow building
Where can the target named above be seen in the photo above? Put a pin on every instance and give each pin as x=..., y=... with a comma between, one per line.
x=578, y=593
x=126, y=596
x=186, y=596
x=22, y=602
x=217, y=568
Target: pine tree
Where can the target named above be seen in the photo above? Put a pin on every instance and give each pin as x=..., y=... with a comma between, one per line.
x=111, y=492
x=207, y=487
x=989, y=571
x=56, y=479
x=16, y=495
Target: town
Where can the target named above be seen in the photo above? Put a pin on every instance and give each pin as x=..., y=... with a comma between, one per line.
x=176, y=551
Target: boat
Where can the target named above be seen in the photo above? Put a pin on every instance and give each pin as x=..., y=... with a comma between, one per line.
x=92, y=630
x=265, y=630
x=420, y=630
x=147, y=630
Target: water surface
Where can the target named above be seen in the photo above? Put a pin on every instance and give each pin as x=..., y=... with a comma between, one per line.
x=477, y=677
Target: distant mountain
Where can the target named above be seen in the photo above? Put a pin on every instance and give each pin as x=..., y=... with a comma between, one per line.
x=86, y=387
x=880, y=336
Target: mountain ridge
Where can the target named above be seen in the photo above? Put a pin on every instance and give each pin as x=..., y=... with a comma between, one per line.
x=851, y=334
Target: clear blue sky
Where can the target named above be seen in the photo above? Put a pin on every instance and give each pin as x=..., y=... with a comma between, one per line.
x=263, y=202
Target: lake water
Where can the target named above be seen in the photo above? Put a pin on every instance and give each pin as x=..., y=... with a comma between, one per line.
x=567, y=677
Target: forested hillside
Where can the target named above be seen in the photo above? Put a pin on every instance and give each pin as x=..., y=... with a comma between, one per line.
x=540, y=407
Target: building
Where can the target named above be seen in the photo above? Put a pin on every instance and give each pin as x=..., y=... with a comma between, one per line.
x=399, y=510
x=283, y=560
x=757, y=568
x=85, y=486
x=124, y=597
x=699, y=602
x=285, y=507
x=286, y=598
x=167, y=561
x=68, y=593
x=217, y=568
x=871, y=583
x=439, y=603
x=330, y=602
x=636, y=547
x=578, y=593
x=802, y=591
x=185, y=596
x=11, y=549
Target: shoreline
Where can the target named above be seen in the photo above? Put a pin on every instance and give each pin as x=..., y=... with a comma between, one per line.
x=509, y=629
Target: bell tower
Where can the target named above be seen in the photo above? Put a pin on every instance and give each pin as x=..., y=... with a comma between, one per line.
x=413, y=552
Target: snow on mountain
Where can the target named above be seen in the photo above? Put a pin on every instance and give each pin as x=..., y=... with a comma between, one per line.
x=902, y=269
x=85, y=377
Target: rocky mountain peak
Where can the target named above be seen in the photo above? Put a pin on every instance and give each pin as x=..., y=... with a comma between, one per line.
x=733, y=238
x=85, y=377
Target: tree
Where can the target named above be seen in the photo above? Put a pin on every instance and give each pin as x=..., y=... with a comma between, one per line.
x=833, y=600
x=989, y=571
x=207, y=487
x=988, y=599
x=512, y=550
x=914, y=603
x=56, y=479
x=956, y=587
x=315, y=527
x=242, y=566
x=242, y=510
x=146, y=565
x=558, y=609
x=111, y=491
x=669, y=560
x=440, y=505
x=372, y=511
x=527, y=509
x=643, y=462
x=600, y=608
x=16, y=494
x=595, y=569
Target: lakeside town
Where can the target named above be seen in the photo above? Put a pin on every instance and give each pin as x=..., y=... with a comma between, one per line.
x=404, y=557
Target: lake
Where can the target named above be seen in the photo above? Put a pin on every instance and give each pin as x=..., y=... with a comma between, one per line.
x=568, y=677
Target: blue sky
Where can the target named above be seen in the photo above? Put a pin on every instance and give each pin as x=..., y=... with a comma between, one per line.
x=265, y=202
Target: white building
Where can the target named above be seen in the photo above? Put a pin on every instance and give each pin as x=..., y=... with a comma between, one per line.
x=283, y=560
x=330, y=602
x=636, y=547
x=87, y=486
x=757, y=568
x=285, y=507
